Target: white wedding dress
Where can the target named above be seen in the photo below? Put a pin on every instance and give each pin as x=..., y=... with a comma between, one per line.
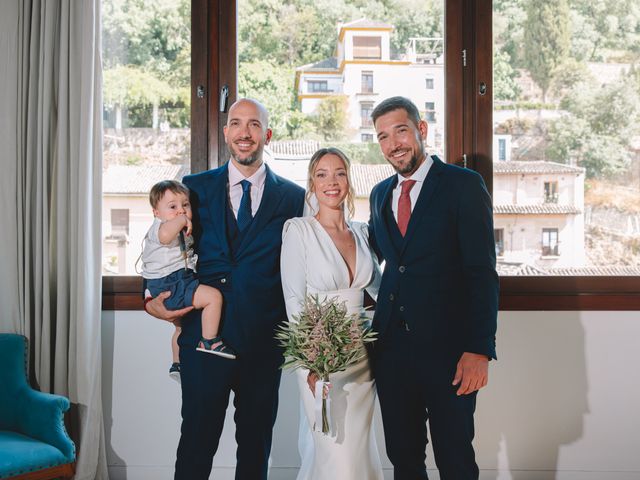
x=312, y=264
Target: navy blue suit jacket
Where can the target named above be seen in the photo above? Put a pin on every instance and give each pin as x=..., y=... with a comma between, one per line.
x=442, y=281
x=249, y=277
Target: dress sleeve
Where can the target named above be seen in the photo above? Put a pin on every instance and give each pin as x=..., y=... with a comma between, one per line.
x=374, y=285
x=293, y=268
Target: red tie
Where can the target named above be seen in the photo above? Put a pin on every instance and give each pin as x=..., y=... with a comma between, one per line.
x=404, y=206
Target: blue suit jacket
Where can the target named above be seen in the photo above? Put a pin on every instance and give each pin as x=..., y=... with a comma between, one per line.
x=442, y=282
x=249, y=277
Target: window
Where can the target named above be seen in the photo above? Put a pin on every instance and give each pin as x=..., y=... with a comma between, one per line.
x=366, y=137
x=317, y=86
x=597, y=210
x=469, y=131
x=550, y=192
x=429, y=83
x=366, y=109
x=498, y=235
x=430, y=112
x=502, y=149
x=367, y=82
x=119, y=221
x=146, y=110
x=549, y=242
x=367, y=48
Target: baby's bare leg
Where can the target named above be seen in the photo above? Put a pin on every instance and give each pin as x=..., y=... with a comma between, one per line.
x=209, y=300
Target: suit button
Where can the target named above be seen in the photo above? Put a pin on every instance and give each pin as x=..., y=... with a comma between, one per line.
x=223, y=280
x=402, y=268
x=402, y=308
x=391, y=297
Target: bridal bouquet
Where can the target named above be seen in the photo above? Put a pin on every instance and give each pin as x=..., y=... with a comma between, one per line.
x=325, y=339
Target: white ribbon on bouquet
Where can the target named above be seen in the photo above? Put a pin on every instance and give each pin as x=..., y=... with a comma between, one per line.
x=322, y=393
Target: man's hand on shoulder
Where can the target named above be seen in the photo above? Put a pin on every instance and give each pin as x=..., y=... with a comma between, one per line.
x=472, y=373
x=156, y=308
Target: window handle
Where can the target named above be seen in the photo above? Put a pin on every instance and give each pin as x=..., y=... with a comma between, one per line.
x=224, y=96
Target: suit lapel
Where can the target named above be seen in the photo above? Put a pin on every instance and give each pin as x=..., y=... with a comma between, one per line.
x=271, y=198
x=428, y=188
x=217, y=205
x=385, y=243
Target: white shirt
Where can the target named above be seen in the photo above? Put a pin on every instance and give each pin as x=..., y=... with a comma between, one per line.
x=159, y=260
x=419, y=176
x=235, y=189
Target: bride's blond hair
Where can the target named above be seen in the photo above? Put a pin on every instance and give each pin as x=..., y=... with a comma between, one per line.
x=313, y=163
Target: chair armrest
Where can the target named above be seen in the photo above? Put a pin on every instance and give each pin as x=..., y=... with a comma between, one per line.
x=42, y=417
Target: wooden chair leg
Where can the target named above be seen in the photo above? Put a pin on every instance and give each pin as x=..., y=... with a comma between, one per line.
x=61, y=471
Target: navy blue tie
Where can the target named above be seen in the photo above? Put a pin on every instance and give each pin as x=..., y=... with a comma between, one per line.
x=244, y=211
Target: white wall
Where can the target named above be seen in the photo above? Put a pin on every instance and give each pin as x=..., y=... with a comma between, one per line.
x=523, y=239
x=561, y=403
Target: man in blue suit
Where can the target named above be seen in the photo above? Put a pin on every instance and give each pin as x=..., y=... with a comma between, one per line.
x=437, y=306
x=238, y=210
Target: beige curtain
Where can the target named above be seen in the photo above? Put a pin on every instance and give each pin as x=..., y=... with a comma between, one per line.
x=51, y=106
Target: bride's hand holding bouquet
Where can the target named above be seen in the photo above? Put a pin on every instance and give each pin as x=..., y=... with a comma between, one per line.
x=324, y=339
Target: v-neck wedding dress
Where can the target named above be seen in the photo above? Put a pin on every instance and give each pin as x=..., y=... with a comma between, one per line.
x=312, y=264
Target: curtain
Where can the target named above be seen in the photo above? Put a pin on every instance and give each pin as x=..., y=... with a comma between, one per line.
x=51, y=202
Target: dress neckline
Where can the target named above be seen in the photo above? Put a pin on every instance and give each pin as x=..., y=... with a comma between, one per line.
x=350, y=281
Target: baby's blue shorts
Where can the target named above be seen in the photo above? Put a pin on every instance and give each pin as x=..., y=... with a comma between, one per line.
x=182, y=284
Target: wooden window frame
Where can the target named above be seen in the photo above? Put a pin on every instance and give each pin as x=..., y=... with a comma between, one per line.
x=116, y=226
x=552, y=193
x=499, y=251
x=430, y=113
x=366, y=86
x=502, y=148
x=547, y=250
x=373, y=39
x=325, y=83
x=365, y=120
x=469, y=121
x=469, y=140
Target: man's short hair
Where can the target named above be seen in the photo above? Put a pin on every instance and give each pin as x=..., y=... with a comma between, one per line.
x=396, y=103
x=158, y=190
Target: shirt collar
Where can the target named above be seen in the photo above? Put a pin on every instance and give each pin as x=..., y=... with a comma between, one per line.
x=257, y=179
x=421, y=173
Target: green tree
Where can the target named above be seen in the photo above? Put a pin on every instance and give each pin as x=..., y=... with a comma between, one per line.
x=508, y=33
x=605, y=30
x=301, y=126
x=567, y=76
x=130, y=85
x=147, y=57
x=292, y=33
x=331, y=118
x=546, y=40
x=598, y=127
x=504, y=78
x=412, y=19
x=272, y=85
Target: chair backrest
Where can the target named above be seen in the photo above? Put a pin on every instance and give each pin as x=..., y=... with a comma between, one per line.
x=13, y=377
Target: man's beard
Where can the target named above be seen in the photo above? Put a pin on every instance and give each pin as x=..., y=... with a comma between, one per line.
x=409, y=167
x=249, y=160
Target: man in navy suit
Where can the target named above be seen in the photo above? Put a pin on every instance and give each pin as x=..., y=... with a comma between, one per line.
x=239, y=210
x=437, y=306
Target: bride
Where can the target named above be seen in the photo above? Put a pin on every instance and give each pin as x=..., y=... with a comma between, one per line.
x=328, y=255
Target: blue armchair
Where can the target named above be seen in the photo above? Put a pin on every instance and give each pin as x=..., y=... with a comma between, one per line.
x=33, y=441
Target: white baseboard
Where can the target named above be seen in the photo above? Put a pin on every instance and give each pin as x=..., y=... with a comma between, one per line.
x=140, y=472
